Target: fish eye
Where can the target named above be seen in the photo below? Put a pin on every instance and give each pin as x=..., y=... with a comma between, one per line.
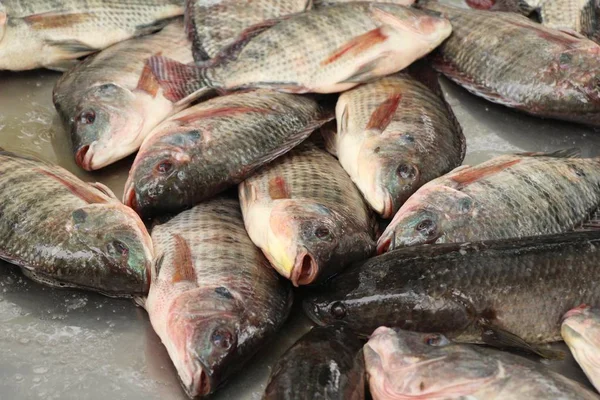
x=426, y=227
x=87, y=117
x=465, y=205
x=222, y=339
x=436, y=340
x=164, y=167
x=118, y=248
x=322, y=233
x=405, y=171
x=338, y=310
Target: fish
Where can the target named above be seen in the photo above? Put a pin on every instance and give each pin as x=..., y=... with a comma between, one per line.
x=325, y=363
x=55, y=33
x=214, y=301
x=512, y=195
x=66, y=233
x=325, y=3
x=394, y=135
x=214, y=145
x=509, y=293
x=403, y=364
x=111, y=101
x=580, y=331
x=508, y=59
x=328, y=50
x=307, y=216
x=213, y=25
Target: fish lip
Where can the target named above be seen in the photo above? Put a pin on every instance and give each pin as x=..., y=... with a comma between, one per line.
x=388, y=206
x=130, y=197
x=198, y=388
x=574, y=312
x=84, y=155
x=384, y=243
x=306, y=307
x=299, y=276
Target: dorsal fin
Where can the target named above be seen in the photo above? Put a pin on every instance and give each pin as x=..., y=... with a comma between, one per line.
x=564, y=153
x=469, y=175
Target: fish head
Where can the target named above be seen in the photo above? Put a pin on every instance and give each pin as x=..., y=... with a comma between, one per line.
x=162, y=172
x=106, y=126
x=3, y=20
x=406, y=364
x=117, y=239
x=581, y=331
x=427, y=216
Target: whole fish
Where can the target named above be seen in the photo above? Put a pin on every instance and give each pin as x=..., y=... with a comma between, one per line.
x=581, y=331
x=306, y=215
x=111, y=101
x=508, y=196
x=207, y=148
x=508, y=59
x=325, y=3
x=324, y=51
x=64, y=232
x=508, y=293
x=326, y=363
x=55, y=33
x=403, y=364
x=214, y=300
x=212, y=25
x=393, y=136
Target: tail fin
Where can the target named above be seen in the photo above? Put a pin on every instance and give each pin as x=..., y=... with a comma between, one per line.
x=181, y=83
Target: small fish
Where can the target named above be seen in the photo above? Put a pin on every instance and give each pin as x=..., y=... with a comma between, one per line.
x=323, y=51
x=214, y=145
x=111, y=101
x=305, y=214
x=326, y=363
x=55, y=33
x=402, y=365
x=214, y=300
x=508, y=196
x=393, y=136
x=64, y=232
x=581, y=331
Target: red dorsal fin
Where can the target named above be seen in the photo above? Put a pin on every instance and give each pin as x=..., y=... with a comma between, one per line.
x=181, y=83
x=473, y=174
x=220, y=112
x=79, y=189
x=278, y=189
x=54, y=20
x=357, y=45
x=183, y=263
x=480, y=4
x=147, y=82
x=384, y=113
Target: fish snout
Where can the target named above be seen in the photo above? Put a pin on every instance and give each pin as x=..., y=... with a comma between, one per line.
x=83, y=156
x=305, y=270
x=130, y=197
x=580, y=310
x=199, y=386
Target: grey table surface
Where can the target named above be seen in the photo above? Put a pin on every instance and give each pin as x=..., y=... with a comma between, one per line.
x=60, y=344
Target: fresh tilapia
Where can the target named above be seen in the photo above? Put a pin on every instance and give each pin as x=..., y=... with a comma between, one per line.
x=214, y=24
x=214, y=300
x=393, y=136
x=54, y=33
x=325, y=3
x=111, y=101
x=306, y=215
x=326, y=363
x=508, y=196
x=402, y=365
x=508, y=59
x=327, y=50
x=581, y=331
x=207, y=148
x=64, y=232
x=509, y=293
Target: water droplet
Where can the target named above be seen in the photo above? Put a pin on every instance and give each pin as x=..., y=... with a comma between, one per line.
x=37, y=379
x=23, y=340
x=40, y=370
x=19, y=378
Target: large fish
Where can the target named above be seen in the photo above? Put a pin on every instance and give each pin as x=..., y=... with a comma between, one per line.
x=509, y=293
x=54, y=33
x=214, y=300
x=327, y=50
x=212, y=25
x=64, y=232
x=508, y=196
x=306, y=215
x=403, y=365
x=393, y=136
x=216, y=144
x=581, y=331
x=326, y=363
x=508, y=59
x=111, y=101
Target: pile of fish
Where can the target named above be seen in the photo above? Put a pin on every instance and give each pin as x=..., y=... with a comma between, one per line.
x=272, y=140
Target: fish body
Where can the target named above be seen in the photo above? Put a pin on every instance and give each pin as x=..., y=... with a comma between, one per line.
x=54, y=33
x=214, y=299
x=581, y=331
x=509, y=196
x=325, y=3
x=403, y=364
x=393, y=136
x=508, y=59
x=515, y=287
x=110, y=102
x=305, y=214
x=215, y=24
x=214, y=145
x=326, y=363
x=324, y=51
x=64, y=232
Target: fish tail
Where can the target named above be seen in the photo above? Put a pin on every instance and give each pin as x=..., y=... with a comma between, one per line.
x=181, y=83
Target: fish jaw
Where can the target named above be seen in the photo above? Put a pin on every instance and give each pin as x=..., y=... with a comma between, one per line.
x=580, y=331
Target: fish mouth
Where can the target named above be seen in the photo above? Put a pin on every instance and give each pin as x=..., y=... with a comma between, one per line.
x=388, y=206
x=200, y=385
x=83, y=157
x=579, y=310
x=305, y=270
x=130, y=197
x=384, y=244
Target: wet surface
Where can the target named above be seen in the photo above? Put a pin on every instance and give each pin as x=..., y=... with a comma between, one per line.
x=61, y=344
